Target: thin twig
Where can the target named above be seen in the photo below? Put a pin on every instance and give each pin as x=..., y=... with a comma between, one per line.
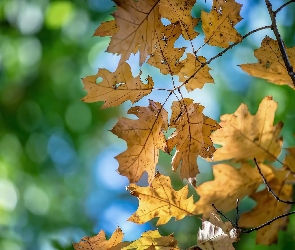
x=268, y=187
x=219, y=212
x=275, y=30
x=284, y=5
x=267, y=223
x=220, y=54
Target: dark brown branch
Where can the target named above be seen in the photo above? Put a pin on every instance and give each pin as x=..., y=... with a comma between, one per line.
x=275, y=30
x=268, y=187
x=283, y=6
x=219, y=212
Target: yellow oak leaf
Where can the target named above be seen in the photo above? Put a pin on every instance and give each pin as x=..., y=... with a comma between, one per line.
x=191, y=137
x=165, y=56
x=144, y=138
x=180, y=11
x=268, y=208
x=161, y=200
x=229, y=184
x=152, y=240
x=244, y=136
x=216, y=234
x=218, y=24
x=191, y=65
x=99, y=242
x=108, y=28
x=116, y=87
x=137, y=22
x=271, y=65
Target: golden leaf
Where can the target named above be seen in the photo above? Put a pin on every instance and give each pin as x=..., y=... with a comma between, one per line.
x=161, y=200
x=218, y=24
x=191, y=65
x=268, y=208
x=229, y=184
x=144, y=138
x=137, y=22
x=165, y=56
x=152, y=240
x=191, y=137
x=99, y=242
x=271, y=64
x=180, y=11
x=116, y=87
x=245, y=136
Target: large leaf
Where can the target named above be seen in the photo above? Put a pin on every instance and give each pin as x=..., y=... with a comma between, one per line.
x=144, y=138
x=137, y=22
x=161, y=200
x=191, y=137
x=244, y=136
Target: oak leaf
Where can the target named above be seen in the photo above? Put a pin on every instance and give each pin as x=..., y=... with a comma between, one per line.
x=216, y=234
x=271, y=64
x=244, y=136
x=191, y=137
x=161, y=200
x=165, y=56
x=99, y=242
x=180, y=11
x=218, y=24
x=137, y=22
x=108, y=28
x=152, y=240
x=116, y=87
x=191, y=65
x=229, y=184
x=268, y=208
x=144, y=138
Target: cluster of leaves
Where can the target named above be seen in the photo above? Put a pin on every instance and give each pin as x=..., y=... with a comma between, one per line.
x=137, y=27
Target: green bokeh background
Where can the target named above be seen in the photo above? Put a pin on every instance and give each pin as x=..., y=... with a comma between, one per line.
x=57, y=173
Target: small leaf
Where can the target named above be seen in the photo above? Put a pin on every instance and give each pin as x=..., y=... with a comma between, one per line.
x=218, y=24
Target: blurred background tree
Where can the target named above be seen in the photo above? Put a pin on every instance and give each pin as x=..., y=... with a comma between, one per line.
x=57, y=168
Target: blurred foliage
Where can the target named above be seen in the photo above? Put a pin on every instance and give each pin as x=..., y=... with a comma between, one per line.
x=55, y=148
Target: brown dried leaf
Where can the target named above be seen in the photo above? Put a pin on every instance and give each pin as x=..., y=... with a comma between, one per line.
x=152, y=240
x=137, y=21
x=216, y=234
x=245, y=136
x=191, y=137
x=271, y=65
x=165, y=57
x=180, y=11
x=191, y=65
x=108, y=28
x=229, y=184
x=290, y=164
x=144, y=138
x=116, y=87
x=99, y=242
x=268, y=208
x=161, y=200
x=218, y=24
